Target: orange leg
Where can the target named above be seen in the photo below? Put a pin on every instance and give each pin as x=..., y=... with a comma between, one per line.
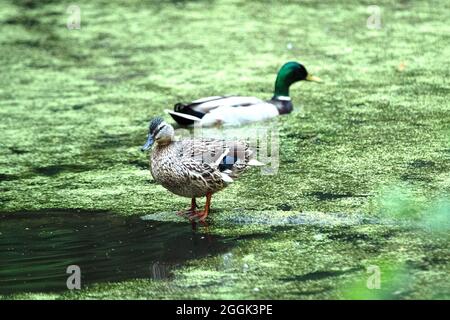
x=189, y=210
x=201, y=215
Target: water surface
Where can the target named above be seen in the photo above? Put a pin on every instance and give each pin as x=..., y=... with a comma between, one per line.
x=37, y=248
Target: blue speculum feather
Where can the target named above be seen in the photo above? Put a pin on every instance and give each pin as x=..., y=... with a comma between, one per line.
x=227, y=163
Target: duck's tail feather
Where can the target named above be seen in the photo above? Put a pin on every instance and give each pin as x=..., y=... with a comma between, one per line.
x=182, y=118
x=226, y=178
x=256, y=163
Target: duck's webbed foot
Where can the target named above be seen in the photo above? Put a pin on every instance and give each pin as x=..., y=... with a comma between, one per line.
x=190, y=210
x=201, y=215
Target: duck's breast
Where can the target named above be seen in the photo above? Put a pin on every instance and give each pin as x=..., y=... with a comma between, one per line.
x=165, y=165
x=168, y=169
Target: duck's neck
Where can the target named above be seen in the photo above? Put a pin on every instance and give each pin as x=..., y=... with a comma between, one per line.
x=281, y=88
x=163, y=144
x=282, y=84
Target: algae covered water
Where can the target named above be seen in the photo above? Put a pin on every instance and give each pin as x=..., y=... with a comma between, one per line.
x=359, y=205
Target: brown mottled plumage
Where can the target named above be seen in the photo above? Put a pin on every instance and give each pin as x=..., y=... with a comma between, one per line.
x=195, y=167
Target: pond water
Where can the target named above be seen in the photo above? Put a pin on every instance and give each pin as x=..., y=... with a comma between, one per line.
x=37, y=248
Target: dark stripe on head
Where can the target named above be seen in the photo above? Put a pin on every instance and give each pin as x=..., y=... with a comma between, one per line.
x=158, y=130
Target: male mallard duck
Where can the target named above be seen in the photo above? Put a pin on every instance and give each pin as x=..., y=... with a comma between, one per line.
x=195, y=167
x=236, y=110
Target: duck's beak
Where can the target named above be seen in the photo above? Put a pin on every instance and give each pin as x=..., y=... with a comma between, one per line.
x=148, y=144
x=310, y=77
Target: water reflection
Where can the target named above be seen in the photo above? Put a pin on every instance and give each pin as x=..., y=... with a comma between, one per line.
x=36, y=249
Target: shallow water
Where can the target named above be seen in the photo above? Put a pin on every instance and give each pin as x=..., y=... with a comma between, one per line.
x=37, y=248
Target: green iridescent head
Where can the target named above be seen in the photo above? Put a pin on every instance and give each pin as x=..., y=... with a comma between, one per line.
x=290, y=73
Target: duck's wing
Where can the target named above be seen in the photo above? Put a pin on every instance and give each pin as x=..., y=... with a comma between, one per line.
x=227, y=158
x=226, y=115
x=206, y=175
x=205, y=105
x=186, y=114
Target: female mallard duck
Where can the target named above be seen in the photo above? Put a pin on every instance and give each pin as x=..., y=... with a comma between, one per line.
x=195, y=167
x=236, y=110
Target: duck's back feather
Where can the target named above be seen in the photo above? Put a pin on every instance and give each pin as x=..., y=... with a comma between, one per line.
x=226, y=101
x=195, y=167
x=227, y=115
x=223, y=155
x=226, y=110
